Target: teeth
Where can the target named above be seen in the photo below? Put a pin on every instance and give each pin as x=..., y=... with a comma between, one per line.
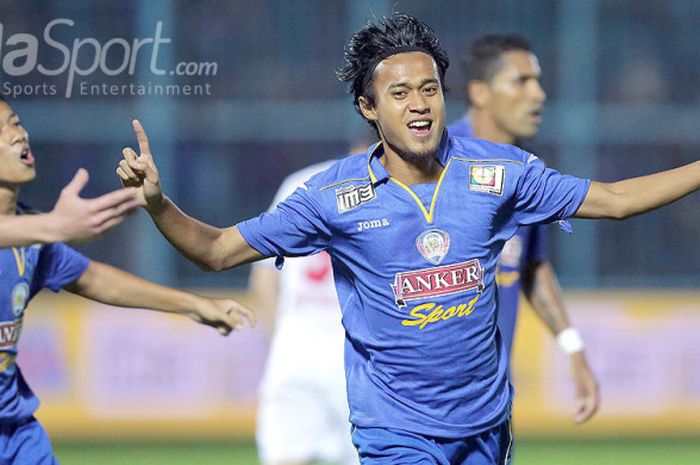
x=419, y=124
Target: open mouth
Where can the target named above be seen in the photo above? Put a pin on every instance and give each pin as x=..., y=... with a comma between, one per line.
x=26, y=157
x=420, y=128
x=536, y=116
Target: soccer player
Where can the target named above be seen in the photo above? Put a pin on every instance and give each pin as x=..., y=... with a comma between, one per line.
x=27, y=270
x=303, y=412
x=414, y=228
x=505, y=102
x=72, y=218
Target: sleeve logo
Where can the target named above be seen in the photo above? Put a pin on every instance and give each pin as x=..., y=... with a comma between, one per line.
x=349, y=198
x=487, y=178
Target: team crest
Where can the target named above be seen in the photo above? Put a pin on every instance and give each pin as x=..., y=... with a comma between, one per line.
x=487, y=178
x=433, y=244
x=20, y=294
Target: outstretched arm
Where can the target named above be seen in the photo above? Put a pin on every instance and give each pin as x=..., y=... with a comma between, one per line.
x=633, y=196
x=211, y=248
x=542, y=291
x=72, y=219
x=109, y=285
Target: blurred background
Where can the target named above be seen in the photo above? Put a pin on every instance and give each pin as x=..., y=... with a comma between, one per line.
x=238, y=94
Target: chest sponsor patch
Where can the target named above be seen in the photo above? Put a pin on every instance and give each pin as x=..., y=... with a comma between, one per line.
x=487, y=178
x=9, y=333
x=437, y=281
x=349, y=198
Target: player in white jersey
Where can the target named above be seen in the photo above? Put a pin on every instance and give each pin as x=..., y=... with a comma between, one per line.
x=303, y=412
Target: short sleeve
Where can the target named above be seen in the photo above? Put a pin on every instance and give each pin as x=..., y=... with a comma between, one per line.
x=544, y=195
x=58, y=266
x=295, y=228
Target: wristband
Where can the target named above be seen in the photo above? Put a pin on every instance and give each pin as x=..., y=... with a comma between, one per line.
x=570, y=341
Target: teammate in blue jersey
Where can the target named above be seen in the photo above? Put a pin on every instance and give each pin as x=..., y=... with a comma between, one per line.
x=414, y=228
x=27, y=270
x=505, y=104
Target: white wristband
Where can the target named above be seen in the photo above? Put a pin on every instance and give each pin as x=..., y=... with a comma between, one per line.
x=570, y=341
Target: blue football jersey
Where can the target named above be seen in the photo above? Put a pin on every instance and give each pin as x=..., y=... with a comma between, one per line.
x=416, y=281
x=24, y=271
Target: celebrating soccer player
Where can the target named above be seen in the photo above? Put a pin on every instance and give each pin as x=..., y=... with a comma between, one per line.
x=414, y=228
x=505, y=105
x=27, y=270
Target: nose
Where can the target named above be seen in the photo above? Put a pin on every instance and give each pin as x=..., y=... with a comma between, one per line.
x=538, y=93
x=418, y=103
x=18, y=134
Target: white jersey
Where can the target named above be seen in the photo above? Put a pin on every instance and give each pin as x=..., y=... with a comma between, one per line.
x=303, y=412
x=306, y=287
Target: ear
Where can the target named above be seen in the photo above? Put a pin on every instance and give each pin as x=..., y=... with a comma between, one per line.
x=479, y=93
x=367, y=108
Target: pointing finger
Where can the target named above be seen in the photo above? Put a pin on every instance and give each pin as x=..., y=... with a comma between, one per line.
x=141, y=136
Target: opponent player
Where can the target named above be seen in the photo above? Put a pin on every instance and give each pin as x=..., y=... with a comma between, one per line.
x=414, y=228
x=72, y=218
x=505, y=103
x=26, y=270
x=302, y=412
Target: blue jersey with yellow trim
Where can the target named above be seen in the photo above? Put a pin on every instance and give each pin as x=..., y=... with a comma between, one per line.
x=415, y=281
x=529, y=245
x=24, y=271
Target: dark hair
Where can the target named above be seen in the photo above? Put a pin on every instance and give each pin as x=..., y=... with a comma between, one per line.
x=371, y=44
x=483, y=59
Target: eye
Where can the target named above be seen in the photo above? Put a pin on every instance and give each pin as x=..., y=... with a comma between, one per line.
x=430, y=90
x=399, y=94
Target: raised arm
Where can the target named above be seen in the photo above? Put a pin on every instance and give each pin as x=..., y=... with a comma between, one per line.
x=109, y=285
x=72, y=219
x=542, y=291
x=211, y=248
x=633, y=196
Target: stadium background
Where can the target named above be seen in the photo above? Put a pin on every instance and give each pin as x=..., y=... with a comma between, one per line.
x=121, y=387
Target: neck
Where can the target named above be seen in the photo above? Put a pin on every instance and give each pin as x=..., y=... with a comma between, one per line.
x=8, y=200
x=425, y=170
x=485, y=127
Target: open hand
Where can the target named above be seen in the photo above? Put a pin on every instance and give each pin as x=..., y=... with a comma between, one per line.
x=77, y=219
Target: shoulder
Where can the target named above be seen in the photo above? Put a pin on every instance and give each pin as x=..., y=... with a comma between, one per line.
x=348, y=171
x=470, y=149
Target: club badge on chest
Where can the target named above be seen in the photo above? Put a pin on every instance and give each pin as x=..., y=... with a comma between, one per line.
x=433, y=245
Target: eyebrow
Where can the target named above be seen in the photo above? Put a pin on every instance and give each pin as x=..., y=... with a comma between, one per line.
x=406, y=84
x=11, y=116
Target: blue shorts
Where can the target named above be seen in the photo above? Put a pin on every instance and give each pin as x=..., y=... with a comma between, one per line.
x=25, y=443
x=385, y=446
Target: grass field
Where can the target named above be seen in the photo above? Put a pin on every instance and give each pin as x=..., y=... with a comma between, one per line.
x=528, y=452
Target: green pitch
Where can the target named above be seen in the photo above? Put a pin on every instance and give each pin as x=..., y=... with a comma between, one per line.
x=528, y=452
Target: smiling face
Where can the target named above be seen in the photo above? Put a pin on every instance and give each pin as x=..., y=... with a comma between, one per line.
x=407, y=105
x=515, y=97
x=16, y=159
